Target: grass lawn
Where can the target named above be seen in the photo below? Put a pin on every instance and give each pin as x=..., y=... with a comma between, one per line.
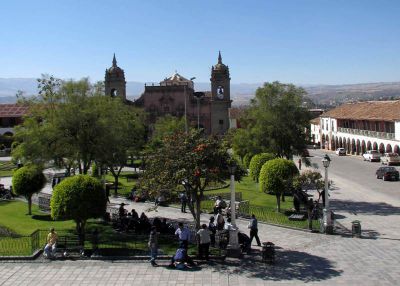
x=262, y=205
x=250, y=191
x=13, y=216
x=6, y=168
x=124, y=187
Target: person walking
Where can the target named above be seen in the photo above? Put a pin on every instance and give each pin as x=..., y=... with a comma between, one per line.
x=204, y=242
x=220, y=220
x=153, y=245
x=183, y=199
x=254, y=230
x=299, y=164
x=213, y=230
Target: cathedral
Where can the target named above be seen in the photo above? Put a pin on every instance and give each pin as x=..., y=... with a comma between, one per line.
x=176, y=96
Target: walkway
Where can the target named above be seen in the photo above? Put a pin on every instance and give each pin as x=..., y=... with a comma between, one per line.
x=301, y=257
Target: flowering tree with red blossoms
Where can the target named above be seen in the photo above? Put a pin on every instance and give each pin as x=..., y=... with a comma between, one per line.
x=191, y=160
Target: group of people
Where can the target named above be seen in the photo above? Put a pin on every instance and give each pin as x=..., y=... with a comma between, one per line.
x=181, y=258
x=131, y=221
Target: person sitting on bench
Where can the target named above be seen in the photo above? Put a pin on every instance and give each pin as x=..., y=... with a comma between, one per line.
x=51, y=246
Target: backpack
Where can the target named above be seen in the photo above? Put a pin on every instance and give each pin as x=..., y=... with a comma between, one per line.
x=222, y=204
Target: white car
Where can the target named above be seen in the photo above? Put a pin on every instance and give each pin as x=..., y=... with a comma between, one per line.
x=372, y=155
x=390, y=159
x=340, y=152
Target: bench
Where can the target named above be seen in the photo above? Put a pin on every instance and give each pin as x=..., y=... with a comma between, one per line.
x=69, y=243
x=297, y=217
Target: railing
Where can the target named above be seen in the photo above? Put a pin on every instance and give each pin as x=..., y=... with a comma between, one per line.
x=369, y=133
x=264, y=214
x=117, y=244
x=24, y=245
x=225, y=196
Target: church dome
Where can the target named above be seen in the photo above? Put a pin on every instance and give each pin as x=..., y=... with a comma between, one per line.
x=220, y=66
x=177, y=79
x=115, y=69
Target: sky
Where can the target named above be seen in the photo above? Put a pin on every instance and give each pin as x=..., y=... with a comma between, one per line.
x=296, y=41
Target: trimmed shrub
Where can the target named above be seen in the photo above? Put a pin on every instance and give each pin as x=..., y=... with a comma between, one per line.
x=26, y=181
x=247, y=159
x=78, y=198
x=276, y=177
x=256, y=164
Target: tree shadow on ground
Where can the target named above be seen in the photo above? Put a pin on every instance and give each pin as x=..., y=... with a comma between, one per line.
x=45, y=217
x=289, y=265
x=380, y=208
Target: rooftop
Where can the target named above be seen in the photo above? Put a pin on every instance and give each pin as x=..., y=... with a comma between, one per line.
x=13, y=110
x=368, y=110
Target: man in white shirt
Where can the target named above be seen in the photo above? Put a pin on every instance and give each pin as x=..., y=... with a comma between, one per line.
x=228, y=225
x=204, y=242
x=184, y=235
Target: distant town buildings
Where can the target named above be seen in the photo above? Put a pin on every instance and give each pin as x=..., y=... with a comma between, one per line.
x=360, y=126
x=10, y=116
x=175, y=95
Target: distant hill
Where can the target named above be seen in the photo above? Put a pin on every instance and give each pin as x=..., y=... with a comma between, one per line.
x=322, y=95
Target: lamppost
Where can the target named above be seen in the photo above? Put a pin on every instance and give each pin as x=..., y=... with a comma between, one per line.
x=198, y=96
x=185, y=95
x=327, y=214
x=233, y=247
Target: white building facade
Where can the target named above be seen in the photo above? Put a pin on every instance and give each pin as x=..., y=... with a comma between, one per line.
x=362, y=126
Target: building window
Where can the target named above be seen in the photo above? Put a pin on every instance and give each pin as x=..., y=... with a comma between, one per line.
x=221, y=122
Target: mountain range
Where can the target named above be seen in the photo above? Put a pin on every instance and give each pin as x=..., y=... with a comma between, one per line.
x=241, y=93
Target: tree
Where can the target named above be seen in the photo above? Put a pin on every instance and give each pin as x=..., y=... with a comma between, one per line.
x=308, y=180
x=123, y=134
x=78, y=198
x=276, y=178
x=276, y=121
x=256, y=163
x=192, y=159
x=72, y=124
x=27, y=181
x=243, y=142
x=165, y=126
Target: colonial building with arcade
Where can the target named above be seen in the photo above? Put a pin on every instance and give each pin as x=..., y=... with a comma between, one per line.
x=176, y=95
x=360, y=126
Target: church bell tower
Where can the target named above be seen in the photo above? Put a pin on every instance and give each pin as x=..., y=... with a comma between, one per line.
x=221, y=97
x=115, y=84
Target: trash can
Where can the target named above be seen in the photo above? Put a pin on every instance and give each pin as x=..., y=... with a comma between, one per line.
x=268, y=252
x=356, y=228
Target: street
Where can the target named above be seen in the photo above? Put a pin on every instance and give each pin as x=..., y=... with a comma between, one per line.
x=356, y=194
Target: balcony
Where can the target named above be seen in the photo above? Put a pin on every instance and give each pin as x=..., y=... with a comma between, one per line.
x=368, y=133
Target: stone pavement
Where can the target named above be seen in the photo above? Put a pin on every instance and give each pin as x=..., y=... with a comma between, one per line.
x=301, y=257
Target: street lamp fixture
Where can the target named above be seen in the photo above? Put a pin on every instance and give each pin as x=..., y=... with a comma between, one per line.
x=326, y=161
x=328, y=227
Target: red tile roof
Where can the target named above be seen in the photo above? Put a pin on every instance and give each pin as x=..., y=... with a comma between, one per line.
x=315, y=121
x=13, y=110
x=368, y=110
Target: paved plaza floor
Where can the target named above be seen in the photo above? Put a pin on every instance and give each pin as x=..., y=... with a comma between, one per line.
x=302, y=257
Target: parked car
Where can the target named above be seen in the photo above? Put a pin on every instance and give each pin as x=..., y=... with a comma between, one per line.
x=372, y=155
x=390, y=159
x=340, y=152
x=387, y=174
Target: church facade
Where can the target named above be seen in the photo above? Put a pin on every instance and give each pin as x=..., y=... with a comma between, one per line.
x=176, y=96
